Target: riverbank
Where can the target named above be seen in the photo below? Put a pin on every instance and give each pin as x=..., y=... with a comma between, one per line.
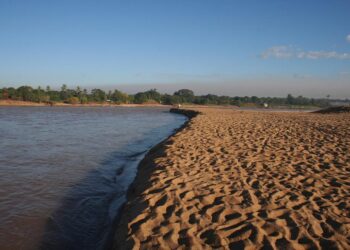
x=16, y=103
x=233, y=178
x=20, y=103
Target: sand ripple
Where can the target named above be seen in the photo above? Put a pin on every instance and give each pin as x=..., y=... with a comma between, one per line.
x=234, y=179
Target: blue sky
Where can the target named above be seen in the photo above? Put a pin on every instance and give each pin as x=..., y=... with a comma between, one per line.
x=222, y=46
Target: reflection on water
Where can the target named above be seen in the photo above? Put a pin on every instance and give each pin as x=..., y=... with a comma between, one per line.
x=64, y=171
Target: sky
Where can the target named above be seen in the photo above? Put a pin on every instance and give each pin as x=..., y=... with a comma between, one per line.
x=225, y=47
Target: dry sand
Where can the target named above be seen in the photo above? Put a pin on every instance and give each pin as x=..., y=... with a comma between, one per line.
x=19, y=103
x=234, y=179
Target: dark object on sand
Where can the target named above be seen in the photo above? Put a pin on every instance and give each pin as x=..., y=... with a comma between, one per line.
x=338, y=109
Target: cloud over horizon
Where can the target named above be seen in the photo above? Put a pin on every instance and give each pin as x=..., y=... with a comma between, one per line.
x=348, y=38
x=289, y=52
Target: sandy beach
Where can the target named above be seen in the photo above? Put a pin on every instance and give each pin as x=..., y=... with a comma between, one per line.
x=233, y=179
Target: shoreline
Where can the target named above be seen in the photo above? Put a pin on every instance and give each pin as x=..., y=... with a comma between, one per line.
x=14, y=103
x=173, y=203
x=140, y=177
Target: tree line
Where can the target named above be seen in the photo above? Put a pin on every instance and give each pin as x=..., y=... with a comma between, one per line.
x=152, y=96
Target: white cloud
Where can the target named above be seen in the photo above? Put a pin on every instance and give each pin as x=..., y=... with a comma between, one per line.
x=323, y=54
x=348, y=38
x=288, y=52
x=280, y=52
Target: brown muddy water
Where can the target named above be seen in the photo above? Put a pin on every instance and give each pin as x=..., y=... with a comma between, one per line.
x=64, y=171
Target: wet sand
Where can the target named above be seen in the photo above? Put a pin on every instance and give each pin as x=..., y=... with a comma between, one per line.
x=244, y=179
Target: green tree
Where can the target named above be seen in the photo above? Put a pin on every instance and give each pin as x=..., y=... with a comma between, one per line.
x=119, y=97
x=171, y=99
x=151, y=95
x=290, y=99
x=98, y=95
x=4, y=93
x=186, y=95
x=25, y=93
x=77, y=92
x=54, y=96
x=255, y=99
x=64, y=88
x=64, y=95
x=109, y=95
x=12, y=93
x=140, y=97
x=80, y=95
x=39, y=94
x=154, y=95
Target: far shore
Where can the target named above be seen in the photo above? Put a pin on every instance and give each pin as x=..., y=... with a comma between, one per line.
x=16, y=103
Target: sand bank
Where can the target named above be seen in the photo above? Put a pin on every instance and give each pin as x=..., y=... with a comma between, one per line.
x=20, y=103
x=233, y=179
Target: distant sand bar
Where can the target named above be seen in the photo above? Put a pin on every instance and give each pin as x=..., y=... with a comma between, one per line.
x=235, y=179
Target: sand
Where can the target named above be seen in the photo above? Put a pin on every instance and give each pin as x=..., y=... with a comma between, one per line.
x=244, y=179
x=20, y=103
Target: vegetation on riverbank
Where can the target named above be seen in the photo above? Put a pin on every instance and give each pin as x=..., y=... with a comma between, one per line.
x=152, y=96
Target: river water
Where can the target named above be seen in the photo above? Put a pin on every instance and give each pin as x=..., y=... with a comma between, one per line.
x=64, y=171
